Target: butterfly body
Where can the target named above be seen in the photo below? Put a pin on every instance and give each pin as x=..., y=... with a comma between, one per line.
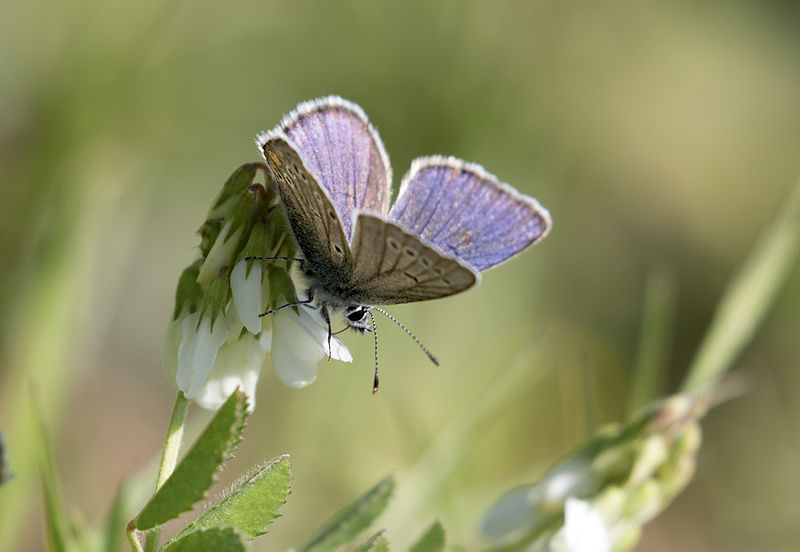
x=451, y=219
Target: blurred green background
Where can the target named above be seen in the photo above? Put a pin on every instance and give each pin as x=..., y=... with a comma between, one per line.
x=657, y=133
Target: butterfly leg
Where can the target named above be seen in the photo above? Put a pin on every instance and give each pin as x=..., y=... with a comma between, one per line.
x=323, y=310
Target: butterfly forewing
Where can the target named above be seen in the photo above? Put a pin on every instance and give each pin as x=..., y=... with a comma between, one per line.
x=343, y=152
x=312, y=217
x=392, y=266
x=467, y=213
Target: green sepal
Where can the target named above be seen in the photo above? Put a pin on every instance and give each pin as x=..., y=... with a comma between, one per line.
x=348, y=523
x=196, y=472
x=249, y=207
x=216, y=297
x=188, y=294
x=433, y=540
x=251, y=503
x=236, y=183
x=209, y=232
x=216, y=539
x=257, y=244
x=376, y=543
x=281, y=287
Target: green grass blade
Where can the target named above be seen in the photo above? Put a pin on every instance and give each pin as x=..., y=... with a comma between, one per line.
x=348, y=523
x=60, y=533
x=115, y=521
x=376, y=543
x=658, y=315
x=748, y=298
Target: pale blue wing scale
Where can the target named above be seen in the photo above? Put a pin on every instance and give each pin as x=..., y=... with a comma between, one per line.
x=467, y=213
x=343, y=152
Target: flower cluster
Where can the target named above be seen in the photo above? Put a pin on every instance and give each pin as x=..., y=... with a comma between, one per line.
x=598, y=499
x=216, y=341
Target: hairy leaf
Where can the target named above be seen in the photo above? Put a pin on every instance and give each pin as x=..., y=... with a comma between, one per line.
x=195, y=473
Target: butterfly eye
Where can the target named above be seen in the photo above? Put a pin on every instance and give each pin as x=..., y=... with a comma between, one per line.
x=393, y=243
x=426, y=262
x=357, y=315
x=332, y=215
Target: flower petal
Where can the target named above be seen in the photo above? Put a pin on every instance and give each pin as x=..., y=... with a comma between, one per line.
x=295, y=353
x=197, y=352
x=313, y=324
x=584, y=530
x=237, y=365
x=247, y=298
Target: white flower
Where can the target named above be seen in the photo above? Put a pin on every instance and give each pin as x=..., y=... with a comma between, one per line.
x=197, y=352
x=299, y=342
x=247, y=294
x=207, y=364
x=237, y=366
x=584, y=529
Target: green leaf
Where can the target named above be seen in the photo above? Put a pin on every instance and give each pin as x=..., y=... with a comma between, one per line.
x=376, y=543
x=195, y=473
x=432, y=541
x=251, y=503
x=216, y=539
x=353, y=519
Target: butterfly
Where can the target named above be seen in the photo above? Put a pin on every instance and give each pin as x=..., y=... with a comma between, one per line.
x=450, y=221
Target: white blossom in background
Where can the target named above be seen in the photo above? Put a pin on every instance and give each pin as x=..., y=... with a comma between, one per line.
x=599, y=498
x=584, y=529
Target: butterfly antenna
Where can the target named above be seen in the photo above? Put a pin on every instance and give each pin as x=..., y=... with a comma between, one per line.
x=298, y=259
x=296, y=303
x=396, y=321
x=375, y=336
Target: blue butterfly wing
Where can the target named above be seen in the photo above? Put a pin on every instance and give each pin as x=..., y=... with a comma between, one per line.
x=343, y=153
x=467, y=213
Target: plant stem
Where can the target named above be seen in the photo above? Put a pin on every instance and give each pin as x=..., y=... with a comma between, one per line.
x=169, y=459
x=172, y=445
x=658, y=315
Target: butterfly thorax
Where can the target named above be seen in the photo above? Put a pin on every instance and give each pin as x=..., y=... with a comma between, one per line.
x=329, y=297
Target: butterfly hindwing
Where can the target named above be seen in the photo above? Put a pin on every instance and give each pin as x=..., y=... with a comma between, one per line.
x=343, y=152
x=392, y=266
x=312, y=217
x=466, y=212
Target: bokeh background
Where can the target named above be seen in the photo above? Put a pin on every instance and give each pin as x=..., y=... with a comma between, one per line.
x=657, y=133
